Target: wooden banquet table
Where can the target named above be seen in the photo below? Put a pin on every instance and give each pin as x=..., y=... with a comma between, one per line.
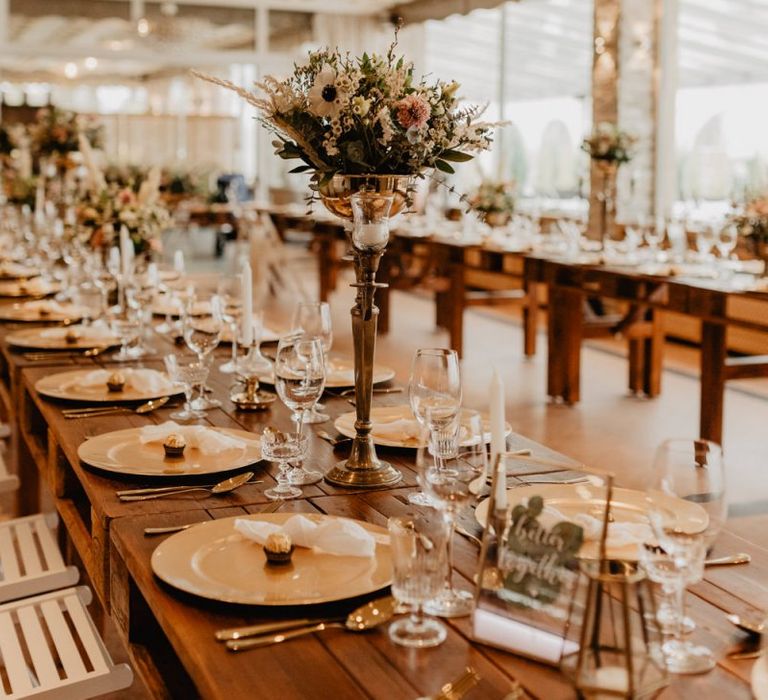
x=169, y=635
x=464, y=275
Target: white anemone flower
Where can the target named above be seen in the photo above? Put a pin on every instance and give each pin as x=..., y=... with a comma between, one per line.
x=326, y=97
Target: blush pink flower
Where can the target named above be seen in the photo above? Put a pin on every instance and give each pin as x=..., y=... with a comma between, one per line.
x=413, y=111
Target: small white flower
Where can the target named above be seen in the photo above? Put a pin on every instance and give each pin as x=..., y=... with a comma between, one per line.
x=326, y=97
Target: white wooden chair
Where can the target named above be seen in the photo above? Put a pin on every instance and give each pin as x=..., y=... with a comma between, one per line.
x=50, y=649
x=30, y=560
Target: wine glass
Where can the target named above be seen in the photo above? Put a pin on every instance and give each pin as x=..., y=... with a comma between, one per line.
x=90, y=299
x=299, y=380
x=313, y=319
x=727, y=238
x=229, y=290
x=435, y=380
x=126, y=326
x=705, y=239
x=460, y=457
x=138, y=298
x=418, y=563
x=202, y=325
x=686, y=509
x=191, y=376
x=654, y=234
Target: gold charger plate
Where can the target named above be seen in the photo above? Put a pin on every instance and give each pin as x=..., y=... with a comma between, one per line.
x=13, y=288
x=21, y=312
x=341, y=374
x=121, y=451
x=627, y=506
x=345, y=424
x=51, y=386
x=36, y=338
x=199, y=561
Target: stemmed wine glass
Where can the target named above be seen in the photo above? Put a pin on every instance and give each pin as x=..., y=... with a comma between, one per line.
x=418, y=563
x=727, y=238
x=203, y=323
x=299, y=380
x=229, y=290
x=435, y=381
x=460, y=457
x=686, y=509
x=313, y=319
x=126, y=326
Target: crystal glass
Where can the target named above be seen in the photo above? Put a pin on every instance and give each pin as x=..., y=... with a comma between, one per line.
x=705, y=239
x=171, y=299
x=370, y=231
x=229, y=291
x=138, y=298
x=460, y=458
x=253, y=362
x=654, y=234
x=727, y=238
x=202, y=325
x=313, y=319
x=300, y=380
x=90, y=298
x=283, y=449
x=419, y=564
x=690, y=470
x=435, y=381
x=191, y=376
x=125, y=324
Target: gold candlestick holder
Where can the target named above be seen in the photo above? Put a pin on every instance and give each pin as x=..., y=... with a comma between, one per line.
x=371, y=206
x=248, y=396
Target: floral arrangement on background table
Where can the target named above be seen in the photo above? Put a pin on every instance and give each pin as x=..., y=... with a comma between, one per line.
x=101, y=214
x=56, y=132
x=495, y=200
x=364, y=128
x=609, y=144
x=753, y=226
x=609, y=147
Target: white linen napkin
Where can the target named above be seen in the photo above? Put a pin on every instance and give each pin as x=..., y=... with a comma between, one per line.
x=619, y=534
x=338, y=536
x=207, y=440
x=398, y=429
x=144, y=380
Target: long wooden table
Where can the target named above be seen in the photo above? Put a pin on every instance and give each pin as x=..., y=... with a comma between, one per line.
x=717, y=307
x=169, y=635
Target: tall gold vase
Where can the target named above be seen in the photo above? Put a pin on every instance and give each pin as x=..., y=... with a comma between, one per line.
x=383, y=196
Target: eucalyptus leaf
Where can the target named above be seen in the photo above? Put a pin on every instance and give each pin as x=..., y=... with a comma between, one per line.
x=444, y=167
x=456, y=156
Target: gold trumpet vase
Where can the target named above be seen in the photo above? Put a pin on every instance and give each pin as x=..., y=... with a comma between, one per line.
x=368, y=201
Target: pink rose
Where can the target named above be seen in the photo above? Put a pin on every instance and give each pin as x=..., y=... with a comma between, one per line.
x=413, y=111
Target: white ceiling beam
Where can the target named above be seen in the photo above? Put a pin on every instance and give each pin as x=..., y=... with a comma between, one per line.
x=336, y=7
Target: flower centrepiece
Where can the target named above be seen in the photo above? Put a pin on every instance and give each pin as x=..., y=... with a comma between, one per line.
x=494, y=198
x=365, y=116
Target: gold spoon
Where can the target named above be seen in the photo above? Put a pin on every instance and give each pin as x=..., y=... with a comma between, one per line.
x=147, y=407
x=234, y=482
x=368, y=616
x=752, y=625
x=730, y=560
